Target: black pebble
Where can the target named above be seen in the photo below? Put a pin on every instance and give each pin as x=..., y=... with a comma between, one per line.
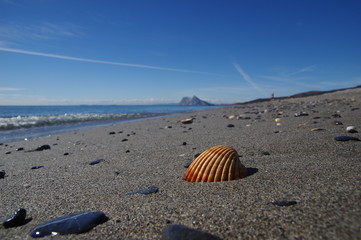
x=145, y=191
x=2, y=174
x=184, y=143
x=15, y=219
x=230, y=125
x=117, y=172
x=66, y=154
x=42, y=148
x=96, y=161
x=75, y=223
x=187, y=164
x=19, y=149
x=124, y=140
x=336, y=115
x=128, y=151
x=111, y=133
x=266, y=153
x=346, y=138
x=8, y=153
x=284, y=203
x=37, y=167
x=180, y=232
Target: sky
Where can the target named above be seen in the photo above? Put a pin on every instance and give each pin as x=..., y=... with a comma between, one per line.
x=156, y=52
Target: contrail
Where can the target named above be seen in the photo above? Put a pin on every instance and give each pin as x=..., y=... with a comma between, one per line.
x=247, y=78
x=100, y=61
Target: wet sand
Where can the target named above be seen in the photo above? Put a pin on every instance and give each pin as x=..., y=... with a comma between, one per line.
x=286, y=162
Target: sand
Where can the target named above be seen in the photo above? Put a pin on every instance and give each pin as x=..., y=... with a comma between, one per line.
x=288, y=162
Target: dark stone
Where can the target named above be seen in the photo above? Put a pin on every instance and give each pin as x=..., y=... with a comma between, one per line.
x=184, y=143
x=346, y=138
x=41, y=148
x=75, y=223
x=181, y=232
x=145, y=191
x=187, y=164
x=16, y=219
x=354, y=109
x=284, y=203
x=338, y=123
x=124, y=140
x=66, y=154
x=196, y=155
x=301, y=114
x=266, y=153
x=336, y=115
x=96, y=161
x=111, y=133
x=37, y=167
x=230, y=125
x=128, y=151
x=117, y=172
x=19, y=149
x=8, y=153
x=2, y=174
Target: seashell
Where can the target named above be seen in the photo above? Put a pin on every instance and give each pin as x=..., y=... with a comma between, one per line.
x=278, y=119
x=217, y=164
x=351, y=129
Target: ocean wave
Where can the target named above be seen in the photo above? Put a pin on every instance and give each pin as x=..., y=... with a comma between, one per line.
x=17, y=122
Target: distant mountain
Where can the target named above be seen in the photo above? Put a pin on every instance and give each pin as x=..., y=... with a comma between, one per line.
x=194, y=101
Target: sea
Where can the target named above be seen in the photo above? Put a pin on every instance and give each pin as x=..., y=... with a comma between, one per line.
x=31, y=122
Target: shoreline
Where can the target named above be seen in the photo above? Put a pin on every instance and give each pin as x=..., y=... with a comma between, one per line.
x=289, y=162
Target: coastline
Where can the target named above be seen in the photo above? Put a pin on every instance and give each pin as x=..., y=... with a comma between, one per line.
x=288, y=162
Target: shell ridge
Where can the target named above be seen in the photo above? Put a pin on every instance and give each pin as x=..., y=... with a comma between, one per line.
x=215, y=175
x=210, y=173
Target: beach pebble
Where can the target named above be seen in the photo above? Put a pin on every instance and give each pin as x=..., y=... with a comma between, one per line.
x=96, y=161
x=2, y=174
x=111, y=133
x=184, y=143
x=317, y=129
x=230, y=125
x=338, y=123
x=124, y=140
x=351, y=129
x=8, y=153
x=187, y=164
x=145, y=191
x=75, y=223
x=15, y=219
x=301, y=114
x=37, y=167
x=187, y=121
x=168, y=127
x=181, y=232
x=19, y=149
x=117, y=172
x=336, y=115
x=43, y=147
x=346, y=138
x=284, y=203
x=266, y=153
x=66, y=154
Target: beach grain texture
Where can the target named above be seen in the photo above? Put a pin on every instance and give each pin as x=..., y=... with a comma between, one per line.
x=285, y=159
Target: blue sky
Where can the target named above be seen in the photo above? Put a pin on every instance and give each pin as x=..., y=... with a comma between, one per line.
x=149, y=52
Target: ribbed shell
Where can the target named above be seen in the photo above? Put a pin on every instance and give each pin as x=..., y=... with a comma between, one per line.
x=217, y=164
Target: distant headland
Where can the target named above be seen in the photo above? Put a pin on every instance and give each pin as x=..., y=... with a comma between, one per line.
x=194, y=101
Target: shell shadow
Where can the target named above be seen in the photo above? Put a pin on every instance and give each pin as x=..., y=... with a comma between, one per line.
x=251, y=171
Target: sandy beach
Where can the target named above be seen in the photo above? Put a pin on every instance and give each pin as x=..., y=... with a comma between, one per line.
x=285, y=159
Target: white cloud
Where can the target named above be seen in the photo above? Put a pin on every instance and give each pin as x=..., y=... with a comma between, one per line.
x=11, y=89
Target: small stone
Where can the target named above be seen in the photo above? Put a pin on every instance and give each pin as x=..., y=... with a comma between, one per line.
x=117, y=172
x=19, y=149
x=180, y=232
x=111, y=133
x=75, y=223
x=284, y=203
x=336, y=115
x=187, y=164
x=16, y=219
x=230, y=125
x=66, y=154
x=317, y=129
x=128, y=151
x=351, y=129
x=187, y=121
x=168, y=127
x=96, y=161
x=124, y=140
x=42, y=148
x=346, y=138
x=145, y=191
x=37, y=167
x=184, y=143
x=338, y=123
x=8, y=153
x=2, y=174
x=266, y=153
x=301, y=114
